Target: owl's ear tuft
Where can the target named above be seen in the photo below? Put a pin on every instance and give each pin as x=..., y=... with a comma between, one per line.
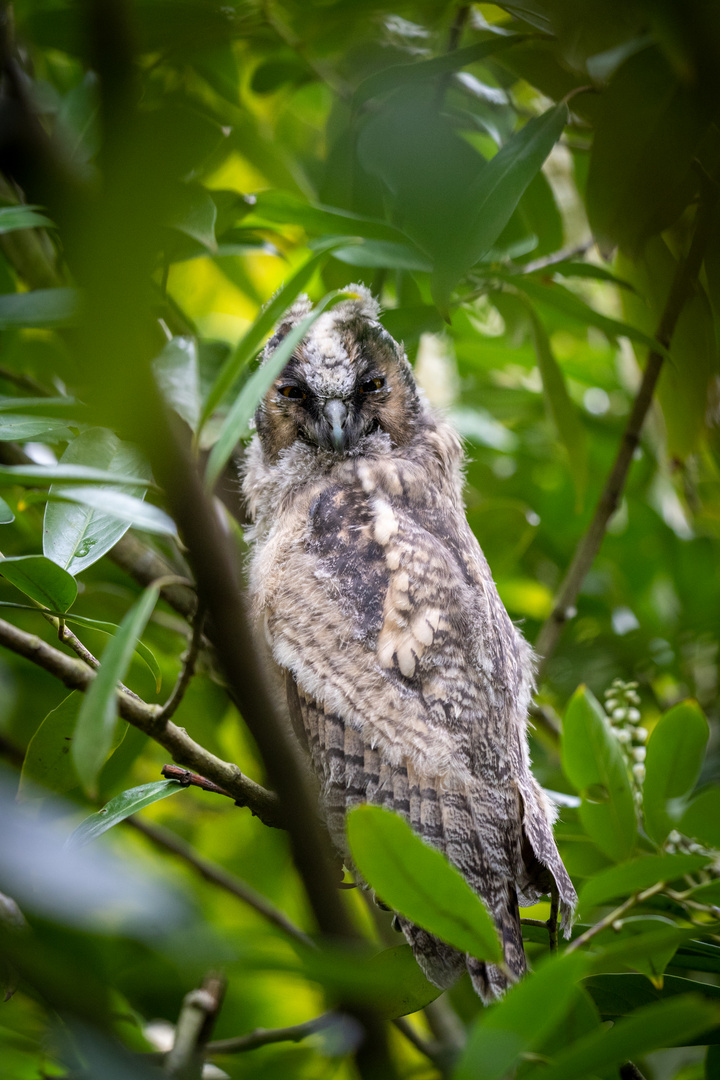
x=361, y=303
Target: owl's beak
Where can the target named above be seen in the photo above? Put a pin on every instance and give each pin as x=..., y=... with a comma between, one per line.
x=335, y=412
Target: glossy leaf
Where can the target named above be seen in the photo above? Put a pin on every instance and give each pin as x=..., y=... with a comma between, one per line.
x=41, y=579
x=48, y=762
x=701, y=819
x=22, y=217
x=24, y=404
x=636, y=875
x=121, y=807
x=283, y=208
x=77, y=534
x=6, y=514
x=237, y=420
x=42, y=308
x=675, y=753
x=65, y=473
x=118, y=504
x=650, y=1028
x=594, y=763
x=520, y=1023
x=95, y=728
x=177, y=374
x=494, y=196
x=417, y=881
x=565, y=414
x=642, y=943
x=18, y=428
x=194, y=213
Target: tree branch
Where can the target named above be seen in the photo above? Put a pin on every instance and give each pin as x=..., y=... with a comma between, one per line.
x=77, y=676
x=187, y=670
x=265, y=1037
x=613, y=916
x=217, y=875
x=682, y=286
x=199, y=1012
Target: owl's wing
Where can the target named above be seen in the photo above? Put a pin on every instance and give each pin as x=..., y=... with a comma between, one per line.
x=412, y=685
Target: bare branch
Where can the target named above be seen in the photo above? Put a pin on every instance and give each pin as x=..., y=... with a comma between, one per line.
x=77, y=676
x=265, y=1037
x=682, y=286
x=168, y=841
x=613, y=916
x=187, y=670
x=197, y=1018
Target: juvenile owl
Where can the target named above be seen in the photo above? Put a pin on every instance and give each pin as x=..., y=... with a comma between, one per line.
x=404, y=678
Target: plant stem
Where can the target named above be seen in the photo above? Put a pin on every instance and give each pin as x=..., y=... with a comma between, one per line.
x=681, y=288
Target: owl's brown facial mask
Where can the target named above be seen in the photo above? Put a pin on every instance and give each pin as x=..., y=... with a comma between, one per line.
x=345, y=383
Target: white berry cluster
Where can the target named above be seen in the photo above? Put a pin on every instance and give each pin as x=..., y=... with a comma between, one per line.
x=621, y=705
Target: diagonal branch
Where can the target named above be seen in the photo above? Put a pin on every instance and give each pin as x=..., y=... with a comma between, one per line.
x=76, y=675
x=682, y=287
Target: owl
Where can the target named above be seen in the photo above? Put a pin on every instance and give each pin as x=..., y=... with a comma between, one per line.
x=402, y=674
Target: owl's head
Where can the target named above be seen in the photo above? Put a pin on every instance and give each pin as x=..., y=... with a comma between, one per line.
x=347, y=380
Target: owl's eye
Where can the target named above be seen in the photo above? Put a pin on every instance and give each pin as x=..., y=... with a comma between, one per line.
x=372, y=385
x=292, y=391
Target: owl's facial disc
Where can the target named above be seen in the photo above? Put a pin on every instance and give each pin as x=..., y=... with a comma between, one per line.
x=334, y=420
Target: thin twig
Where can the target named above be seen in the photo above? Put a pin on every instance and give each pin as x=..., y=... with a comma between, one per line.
x=77, y=676
x=608, y=920
x=191, y=779
x=267, y=1036
x=25, y=382
x=187, y=670
x=683, y=283
x=552, y=260
x=431, y=1051
x=217, y=875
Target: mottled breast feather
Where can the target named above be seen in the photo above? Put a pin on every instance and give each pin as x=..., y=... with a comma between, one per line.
x=387, y=633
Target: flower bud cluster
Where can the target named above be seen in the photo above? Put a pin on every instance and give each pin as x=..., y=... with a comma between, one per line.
x=621, y=704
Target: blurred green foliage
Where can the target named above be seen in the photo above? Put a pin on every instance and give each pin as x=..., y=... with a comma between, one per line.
x=519, y=183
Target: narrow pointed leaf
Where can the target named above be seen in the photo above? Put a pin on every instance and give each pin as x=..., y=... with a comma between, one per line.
x=6, y=514
x=22, y=217
x=418, y=881
x=41, y=579
x=95, y=728
x=66, y=473
x=675, y=753
x=495, y=195
x=121, y=807
x=15, y=427
x=113, y=503
x=43, y=308
x=701, y=820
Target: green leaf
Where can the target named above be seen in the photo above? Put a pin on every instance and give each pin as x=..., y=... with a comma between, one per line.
x=237, y=420
x=557, y=296
x=280, y=207
x=121, y=807
x=259, y=330
x=417, y=881
x=194, y=213
x=648, y=1029
x=644, y=943
x=6, y=514
x=42, y=308
x=493, y=198
x=390, y=78
x=48, y=762
x=619, y=994
x=675, y=753
x=177, y=374
x=635, y=876
x=41, y=579
x=647, y=108
x=118, y=504
x=97, y=720
x=701, y=820
x=22, y=217
x=78, y=531
x=521, y=1022
x=32, y=475
x=565, y=414
x=383, y=253
x=593, y=761
x=23, y=404
x=18, y=428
